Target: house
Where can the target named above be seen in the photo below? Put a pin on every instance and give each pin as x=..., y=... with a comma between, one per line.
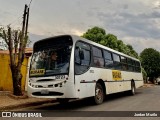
x=5, y=72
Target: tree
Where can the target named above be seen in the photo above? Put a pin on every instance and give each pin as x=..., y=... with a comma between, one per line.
x=95, y=34
x=150, y=59
x=131, y=51
x=16, y=41
x=121, y=46
x=99, y=35
x=111, y=41
x=144, y=75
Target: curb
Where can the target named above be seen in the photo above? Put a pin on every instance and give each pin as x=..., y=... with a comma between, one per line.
x=23, y=105
x=148, y=85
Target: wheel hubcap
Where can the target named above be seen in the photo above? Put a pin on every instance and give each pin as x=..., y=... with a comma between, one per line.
x=98, y=94
x=133, y=90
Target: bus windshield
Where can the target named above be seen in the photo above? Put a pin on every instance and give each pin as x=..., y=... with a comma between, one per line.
x=50, y=61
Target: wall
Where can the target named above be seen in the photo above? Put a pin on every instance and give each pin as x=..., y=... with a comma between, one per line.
x=5, y=73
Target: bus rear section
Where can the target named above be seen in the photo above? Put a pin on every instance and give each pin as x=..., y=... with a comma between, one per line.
x=100, y=71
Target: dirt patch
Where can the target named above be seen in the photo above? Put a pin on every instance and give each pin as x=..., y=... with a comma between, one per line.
x=24, y=96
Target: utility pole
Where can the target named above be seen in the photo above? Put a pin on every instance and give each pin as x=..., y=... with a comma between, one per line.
x=26, y=31
x=22, y=37
x=24, y=19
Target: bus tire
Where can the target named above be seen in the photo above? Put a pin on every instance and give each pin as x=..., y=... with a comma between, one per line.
x=133, y=88
x=99, y=94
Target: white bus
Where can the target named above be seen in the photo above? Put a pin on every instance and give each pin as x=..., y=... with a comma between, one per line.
x=80, y=68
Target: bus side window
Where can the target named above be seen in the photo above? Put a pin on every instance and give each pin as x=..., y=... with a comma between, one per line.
x=117, y=64
x=130, y=64
x=108, y=59
x=138, y=67
x=97, y=57
x=124, y=63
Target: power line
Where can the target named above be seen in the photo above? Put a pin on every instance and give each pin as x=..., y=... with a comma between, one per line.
x=18, y=18
x=30, y=3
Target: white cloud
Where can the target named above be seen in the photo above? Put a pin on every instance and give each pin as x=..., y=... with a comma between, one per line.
x=77, y=32
x=133, y=21
x=156, y=4
x=139, y=44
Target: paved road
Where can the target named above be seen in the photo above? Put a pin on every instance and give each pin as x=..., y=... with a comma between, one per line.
x=146, y=99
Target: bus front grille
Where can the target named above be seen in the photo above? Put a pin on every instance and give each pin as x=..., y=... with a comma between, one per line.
x=49, y=94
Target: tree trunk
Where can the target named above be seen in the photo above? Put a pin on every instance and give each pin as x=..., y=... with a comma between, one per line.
x=17, y=76
x=151, y=79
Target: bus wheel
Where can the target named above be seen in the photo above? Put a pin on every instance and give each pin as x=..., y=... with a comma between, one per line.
x=133, y=89
x=99, y=94
x=63, y=100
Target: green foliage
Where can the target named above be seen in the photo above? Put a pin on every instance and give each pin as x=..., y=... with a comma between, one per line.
x=150, y=59
x=95, y=34
x=131, y=51
x=99, y=35
x=111, y=41
x=144, y=74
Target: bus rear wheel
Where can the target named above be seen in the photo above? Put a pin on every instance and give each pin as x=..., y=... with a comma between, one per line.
x=133, y=89
x=99, y=94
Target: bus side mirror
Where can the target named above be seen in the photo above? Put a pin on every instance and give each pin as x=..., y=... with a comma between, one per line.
x=81, y=54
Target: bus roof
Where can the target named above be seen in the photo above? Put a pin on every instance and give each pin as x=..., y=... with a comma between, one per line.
x=101, y=46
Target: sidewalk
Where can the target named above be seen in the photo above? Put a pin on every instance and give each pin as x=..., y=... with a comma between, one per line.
x=9, y=102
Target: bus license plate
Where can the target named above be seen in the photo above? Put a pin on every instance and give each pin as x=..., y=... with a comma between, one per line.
x=44, y=92
x=60, y=77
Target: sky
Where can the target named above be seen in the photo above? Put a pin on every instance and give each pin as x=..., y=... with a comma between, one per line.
x=135, y=22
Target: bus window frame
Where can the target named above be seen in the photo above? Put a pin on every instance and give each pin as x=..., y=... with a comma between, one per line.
x=101, y=58
x=82, y=65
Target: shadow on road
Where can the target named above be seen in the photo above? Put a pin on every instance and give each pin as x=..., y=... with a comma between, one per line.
x=83, y=103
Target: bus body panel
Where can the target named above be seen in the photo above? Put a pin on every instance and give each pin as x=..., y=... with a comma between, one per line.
x=68, y=88
x=83, y=85
x=87, y=81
